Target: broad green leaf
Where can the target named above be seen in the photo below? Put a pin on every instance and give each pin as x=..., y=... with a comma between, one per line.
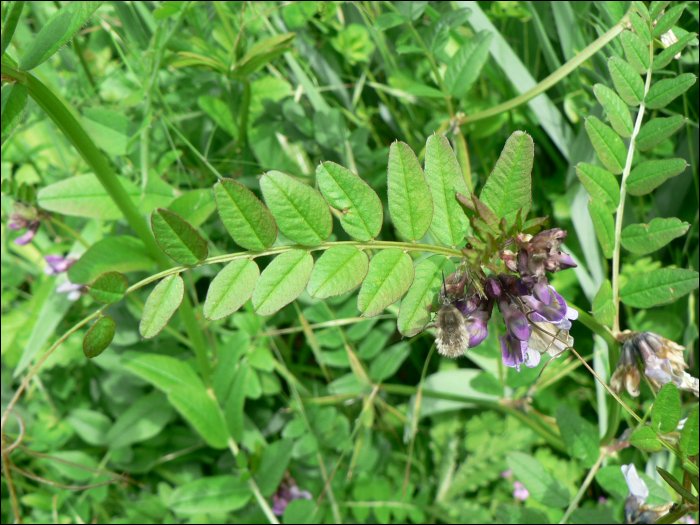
x=650, y=174
x=108, y=129
x=658, y=287
x=261, y=53
x=644, y=438
x=273, y=464
x=664, y=58
x=410, y=200
x=607, y=144
x=689, y=437
x=666, y=412
x=628, y=83
x=141, y=421
x=388, y=20
x=508, y=188
x=642, y=10
x=656, y=7
x=390, y=275
x=618, y=112
x=339, y=270
x=99, y=336
x=59, y=29
x=231, y=288
x=543, y=487
x=14, y=11
x=301, y=213
x=90, y=425
x=282, y=281
x=120, y=253
x=487, y=383
x=641, y=28
x=600, y=184
x=603, y=305
x=109, y=287
x=194, y=206
x=466, y=64
x=604, y=226
x=14, y=104
x=388, y=361
x=168, y=9
x=664, y=91
x=178, y=238
x=445, y=178
x=414, y=314
x=657, y=130
x=646, y=238
x=363, y=214
x=668, y=20
x=579, y=435
x=412, y=9
x=246, y=219
x=300, y=511
x=213, y=494
x=220, y=112
x=160, y=306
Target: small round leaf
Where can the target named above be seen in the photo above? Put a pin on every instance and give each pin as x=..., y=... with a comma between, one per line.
x=99, y=336
x=109, y=288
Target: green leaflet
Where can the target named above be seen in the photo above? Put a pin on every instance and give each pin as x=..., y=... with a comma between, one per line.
x=273, y=463
x=59, y=29
x=410, y=200
x=641, y=28
x=389, y=277
x=642, y=10
x=160, y=306
x=120, y=253
x=339, y=270
x=14, y=104
x=644, y=438
x=641, y=239
x=603, y=305
x=668, y=20
x=628, y=83
x=388, y=361
x=656, y=7
x=445, y=178
x=542, y=486
x=109, y=130
x=600, y=184
x=579, y=435
x=508, y=188
x=282, y=281
x=636, y=51
x=363, y=213
x=178, y=238
x=300, y=212
x=604, y=226
x=194, y=206
x=658, y=287
x=143, y=420
x=246, y=219
x=99, y=336
x=466, y=64
x=657, y=130
x=235, y=402
x=231, y=288
x=650, y=174
x=666, y=412
x=664, y=58
x=618, y=112
x=414, y=314
x=689, y=438
x=664, y=91
x=109, y=288
x=220, y=112
x=14, y=11
x=607, y=144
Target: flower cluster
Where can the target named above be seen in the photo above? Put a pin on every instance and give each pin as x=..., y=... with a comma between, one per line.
x=286, y=492
x=56, y=265
x=636, y=509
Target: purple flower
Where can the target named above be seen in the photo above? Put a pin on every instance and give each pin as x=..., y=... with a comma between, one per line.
x=516, y=321
x=516, y=352
x=661, y=371
x=73, y=290
x=58, y=264
x=286, y=492
x=19, y=222
x=520, y=492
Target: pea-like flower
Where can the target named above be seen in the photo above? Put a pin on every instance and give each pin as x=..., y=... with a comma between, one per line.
x=21, y=222
x=636, y=509
x=286, y=492
x=58, y=264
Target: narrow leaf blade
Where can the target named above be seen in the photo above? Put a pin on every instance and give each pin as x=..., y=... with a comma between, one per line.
x=648, y=175
x=627, y=81
x=664, y=91
x=604, y=226
x=231, y=288
x=607, y=144
x=389, y=277
x=14, y=104
x=160, y=306
x=603, y=305
x=618, y=112
x=657, y=130
x=600, y=184
x=466, y=64
x=690, y=439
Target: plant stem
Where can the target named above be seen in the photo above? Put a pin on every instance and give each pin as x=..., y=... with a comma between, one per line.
x=584, y=487
x=254, y=488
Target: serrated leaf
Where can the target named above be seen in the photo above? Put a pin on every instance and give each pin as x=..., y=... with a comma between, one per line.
x=108, y=288
x=600, y=184
x=603, y=305
x=388, y=361
x=300, y=212
x=390, y=275
x=466, y=64
x=664, y=91
x=668, y=20
x=618, y=112
x=410, y=199
x=646, y=238
x=99, y=336
x=178, y=238
x=666, y=412
x=339, y=270
x=414, y=314
x=362, y=209
x=580, y=436
x=542, y=486
x=121, y=253
x=642, y=30
x=58, y=30
x=627, y=81
x=604, y=226
x=231, y=288
x=247, y=220
x=657, y=130
x=14, y=104
x=689, y=437
x=445, y=178
x=607, y=144
x=644, y=438
x=160, y=306
x=650, y=174
x=508, y=188
x=658, y=287
x=282, y=281
x=664, y=58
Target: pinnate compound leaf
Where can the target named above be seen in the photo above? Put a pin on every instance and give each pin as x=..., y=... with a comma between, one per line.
x=410, y=200
x=99, y=336
x=664, y=58
x=247, y=220
x=445, y=178
x=689, y=437
x=607, y=144
x=646, y=238
x=109, y=288
x=212, y=494
x=664, y=91
x=178, y=238
x=627, y=81
x=668, y=20
x=509, y=187
x=231, y=288
x=666, y=412
x=650, y=174
x=636, y=51
x=641, y=29
x=282, y=281
x=466, y=64
x=301, y=213
x=657, y=130
x=603, y=305
x=600, y=184
x=644, y=438
x=362, y=209
x=541, y=485
x=618, y=112
x=579, y=435
x=658, y=287
x=414, y=314
x=339, y=270
x=14, y=104
x=120, y=253
x=390, y=275
x=59, y=29
x=388, y=361
x=604, y=226
x=160, y=306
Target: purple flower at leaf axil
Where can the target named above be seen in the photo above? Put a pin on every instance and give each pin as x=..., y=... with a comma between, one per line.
x=286, y=492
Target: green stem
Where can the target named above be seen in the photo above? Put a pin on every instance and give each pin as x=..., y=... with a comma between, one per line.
x=243, y=124
x=262, y=502
x=79, y=51
x=583, y=489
